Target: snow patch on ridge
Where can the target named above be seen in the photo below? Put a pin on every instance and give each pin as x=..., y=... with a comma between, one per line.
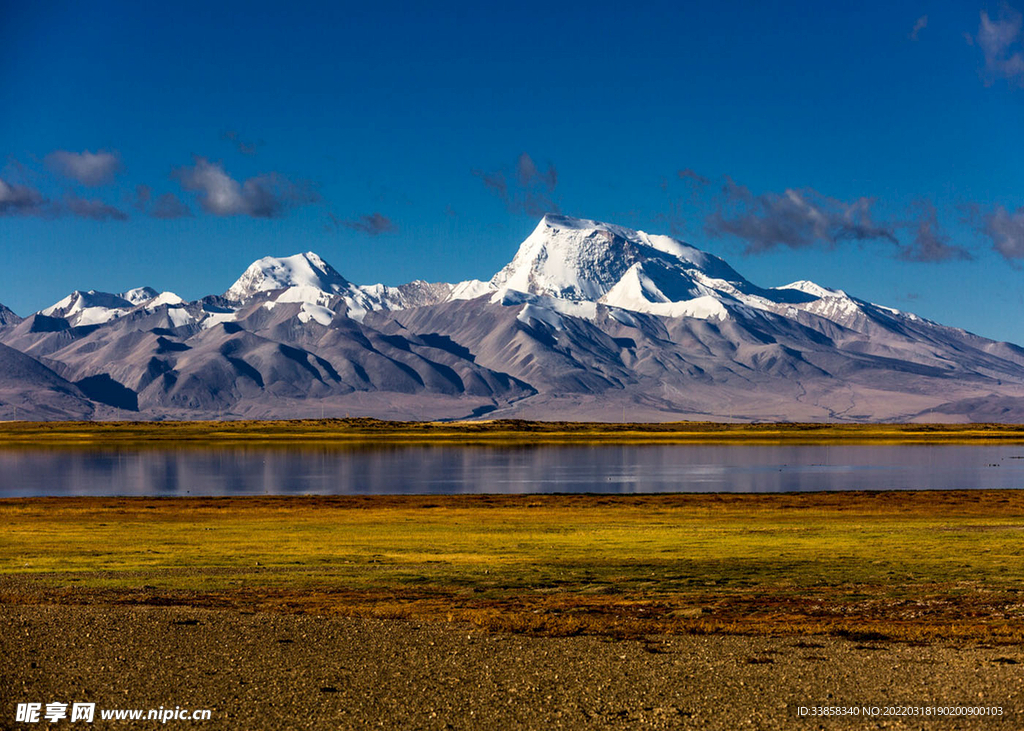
x=549, y=310
x=639, y=293
x=318, y=313
x=470, y=290
x=164, y=298
x=305, y=294
x=217, y=318
x=179, y=317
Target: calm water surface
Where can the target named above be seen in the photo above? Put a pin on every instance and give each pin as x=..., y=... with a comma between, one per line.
x=455, y=469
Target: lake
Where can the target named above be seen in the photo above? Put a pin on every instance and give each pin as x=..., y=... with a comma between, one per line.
x=471, y=469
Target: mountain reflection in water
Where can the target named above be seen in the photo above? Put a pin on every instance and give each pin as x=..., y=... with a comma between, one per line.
x=537, y=469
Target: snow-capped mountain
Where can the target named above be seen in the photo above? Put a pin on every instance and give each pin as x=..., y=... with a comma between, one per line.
x=309, y=280
x=140, y=295
x=588, y=320
x=589, y=261
x=81, y=309
x=302, y=271
x=89, y=308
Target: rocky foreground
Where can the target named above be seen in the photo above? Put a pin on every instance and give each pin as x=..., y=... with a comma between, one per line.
x=275, y=671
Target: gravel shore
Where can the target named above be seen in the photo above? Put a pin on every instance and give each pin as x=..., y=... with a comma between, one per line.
x=278, y=671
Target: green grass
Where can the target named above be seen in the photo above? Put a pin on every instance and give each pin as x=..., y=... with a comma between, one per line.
x=915, y=565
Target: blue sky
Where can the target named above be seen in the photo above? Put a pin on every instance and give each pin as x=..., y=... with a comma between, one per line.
x=874, y=147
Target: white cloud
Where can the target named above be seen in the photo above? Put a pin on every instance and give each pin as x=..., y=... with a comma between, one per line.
x=999, y=41
x=88, y=168
x=263, y=196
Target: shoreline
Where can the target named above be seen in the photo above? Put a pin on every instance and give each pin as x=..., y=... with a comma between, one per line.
x=956, y=502
x=362, y=432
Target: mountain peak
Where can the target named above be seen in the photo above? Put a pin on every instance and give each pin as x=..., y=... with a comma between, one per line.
x=139, y=295
x=89, y=308
x=583, y=260
x=298, y=270
x=8, y=316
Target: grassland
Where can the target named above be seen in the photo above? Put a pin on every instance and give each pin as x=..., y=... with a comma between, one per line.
x=910, y=566
x=358, y=431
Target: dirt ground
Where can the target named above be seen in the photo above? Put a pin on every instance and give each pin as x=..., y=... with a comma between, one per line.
x=265, y=670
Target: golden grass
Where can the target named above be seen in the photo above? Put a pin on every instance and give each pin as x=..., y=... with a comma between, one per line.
x=902, y=565
x=364, y=431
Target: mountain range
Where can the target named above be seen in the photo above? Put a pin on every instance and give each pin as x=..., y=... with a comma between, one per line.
x=589, y=321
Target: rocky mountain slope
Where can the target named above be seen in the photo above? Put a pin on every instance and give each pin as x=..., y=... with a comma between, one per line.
x=7, y=317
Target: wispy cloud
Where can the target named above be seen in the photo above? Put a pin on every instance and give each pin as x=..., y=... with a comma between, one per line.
x=243, y=146
x=794, y=219
x=87, y=168
x=20, y=200
x=1000, y=42
x=143, y=194
x=167, y=206
x=692, y=177
x=526, y=188
x=1005, y=228
x=805, y=218
x=93, y=209
x=372, y=224
x=919, y=25
x=930, y=243
x=263, y=196
x=164, y=206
